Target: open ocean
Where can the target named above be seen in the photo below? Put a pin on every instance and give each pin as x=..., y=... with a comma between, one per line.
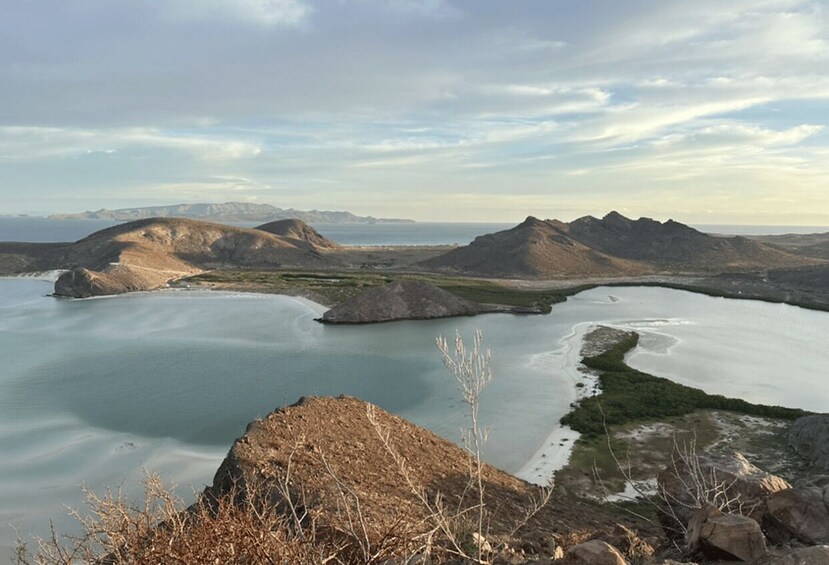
x=35, y=229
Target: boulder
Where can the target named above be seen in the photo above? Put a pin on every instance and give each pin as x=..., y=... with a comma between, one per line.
x=809, y=436
x=718, y=536
x=800, y=513
x=595, y=552
x=686, y=485
x=816, y=555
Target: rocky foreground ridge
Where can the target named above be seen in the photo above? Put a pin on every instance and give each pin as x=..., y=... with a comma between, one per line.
x=339, y=458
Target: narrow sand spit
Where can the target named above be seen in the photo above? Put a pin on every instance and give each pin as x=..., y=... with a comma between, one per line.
x=554, y=453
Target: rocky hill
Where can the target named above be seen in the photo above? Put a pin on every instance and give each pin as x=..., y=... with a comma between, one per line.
x=613, y=245
x=401, y=300
x=299, y=231
x=146, y=254
x=672, y=243
x=342, y=450
x=534, y=248
x=228, y=212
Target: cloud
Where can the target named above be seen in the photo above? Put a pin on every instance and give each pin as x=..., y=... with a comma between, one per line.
x=266, y=13
x=583, y=102
x=36, y=142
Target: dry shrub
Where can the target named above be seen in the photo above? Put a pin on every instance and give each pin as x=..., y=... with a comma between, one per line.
x=232, y=529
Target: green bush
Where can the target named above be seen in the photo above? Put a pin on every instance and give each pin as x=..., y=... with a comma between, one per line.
x=628, y=395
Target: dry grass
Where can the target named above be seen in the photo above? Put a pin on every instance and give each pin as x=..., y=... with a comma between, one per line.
x=234, y=529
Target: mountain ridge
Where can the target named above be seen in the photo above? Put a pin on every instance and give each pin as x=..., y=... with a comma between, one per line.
x=228, y=212
x=612, y=245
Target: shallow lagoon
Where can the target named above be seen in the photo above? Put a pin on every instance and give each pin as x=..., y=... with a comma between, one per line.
x=93, y=391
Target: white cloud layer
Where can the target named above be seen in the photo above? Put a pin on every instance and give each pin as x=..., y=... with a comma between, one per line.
x=699, y=110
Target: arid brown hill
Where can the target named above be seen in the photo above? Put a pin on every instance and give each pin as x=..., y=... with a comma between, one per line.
x=299, y=231
x=673, y=243
x=329, y=449
x=613, y=245
x=534, y=248
x=146, y=254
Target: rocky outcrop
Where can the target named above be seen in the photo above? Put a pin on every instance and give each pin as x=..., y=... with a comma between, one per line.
x=401, y=300
x=298, y=230
x=594, y=552
x=809, y=436
x=682, y=487
x=714, y=535
x=83, y=283
x=800, y=513
x=332, y=452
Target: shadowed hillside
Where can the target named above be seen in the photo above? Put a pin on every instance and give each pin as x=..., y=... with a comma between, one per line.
x=613, y=245
x=534, y=248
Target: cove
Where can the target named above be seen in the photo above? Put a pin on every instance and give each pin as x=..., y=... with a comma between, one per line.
x=92, y=391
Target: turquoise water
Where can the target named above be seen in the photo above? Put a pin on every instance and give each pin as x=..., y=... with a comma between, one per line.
x=93, y=391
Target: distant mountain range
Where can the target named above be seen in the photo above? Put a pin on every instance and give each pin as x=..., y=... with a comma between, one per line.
x=612, y=245
x=145, y=254
x=229, y=212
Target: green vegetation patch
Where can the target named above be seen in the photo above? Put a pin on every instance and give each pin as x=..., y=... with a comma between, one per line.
x=337, y=287
x=628, y=395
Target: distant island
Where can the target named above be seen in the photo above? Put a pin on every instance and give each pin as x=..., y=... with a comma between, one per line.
x=229, y=212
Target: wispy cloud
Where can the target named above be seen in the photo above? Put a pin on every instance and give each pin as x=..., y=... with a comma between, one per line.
x=265, y=13
x=659, y=108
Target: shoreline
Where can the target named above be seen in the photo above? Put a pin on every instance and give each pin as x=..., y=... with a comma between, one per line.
x=556, y=448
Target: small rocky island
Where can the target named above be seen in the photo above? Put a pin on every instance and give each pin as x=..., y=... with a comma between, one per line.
x=402, y=300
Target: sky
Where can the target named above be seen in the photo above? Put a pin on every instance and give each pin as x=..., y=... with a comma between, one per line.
x=703, y=111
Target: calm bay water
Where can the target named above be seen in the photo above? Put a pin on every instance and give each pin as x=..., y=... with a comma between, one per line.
x=93, y=391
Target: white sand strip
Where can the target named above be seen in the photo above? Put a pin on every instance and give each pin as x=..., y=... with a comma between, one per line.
x=555, y=452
